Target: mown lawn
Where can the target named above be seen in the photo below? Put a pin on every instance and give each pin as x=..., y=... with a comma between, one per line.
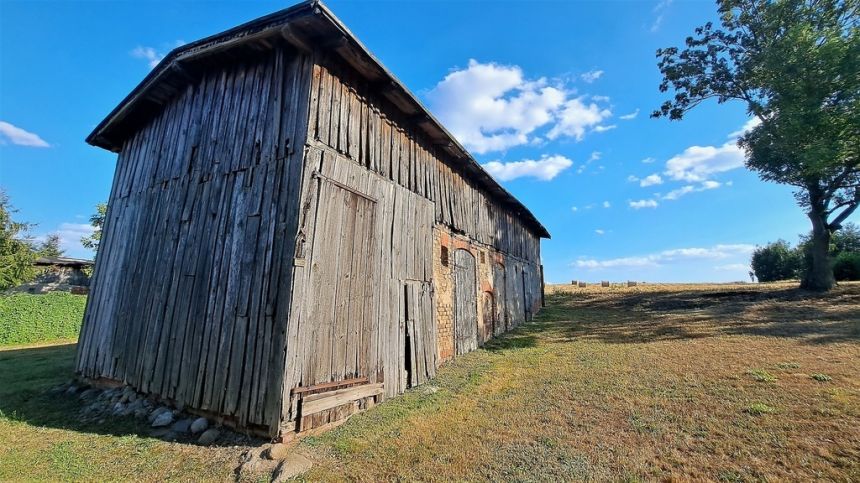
x=703, y=382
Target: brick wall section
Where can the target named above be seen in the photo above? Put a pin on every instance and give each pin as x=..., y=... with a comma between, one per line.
x=443, y=283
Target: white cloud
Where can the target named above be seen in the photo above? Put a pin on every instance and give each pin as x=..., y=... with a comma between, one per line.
x=679, y=192
x=651, y=180
x=591, y=76
x=747, y=127
x=493, y=107
x=545, y=169
x=15, y=135
x=70, y=238
x=606, y=204
x=697, y=163
x=149, y=54
x=575, y=118
x=632, y=179
x=630, y=116
x=665, y=257
x=594, y=156
x=604, y=128
x=599, y=231
x=648, y=160
x=659, y=10
x=638, y=205
x=574, y=209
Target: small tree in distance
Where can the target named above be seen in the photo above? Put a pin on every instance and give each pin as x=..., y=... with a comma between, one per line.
x=97, y=220
x=776, y=261
x=50, y=247
x=796, y=66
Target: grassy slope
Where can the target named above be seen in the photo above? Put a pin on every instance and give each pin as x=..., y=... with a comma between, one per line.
x=620, y=384
x=28, y=318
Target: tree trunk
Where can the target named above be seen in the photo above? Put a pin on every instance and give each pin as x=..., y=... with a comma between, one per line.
x=819, y=276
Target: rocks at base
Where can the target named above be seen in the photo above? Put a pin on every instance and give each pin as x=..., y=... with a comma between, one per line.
x=293, y=465
x=163, y=419
x=279, y=451
x=182, y=426
x=209, y=436
x=157, y=412
x=168, y=421
x=199, y=425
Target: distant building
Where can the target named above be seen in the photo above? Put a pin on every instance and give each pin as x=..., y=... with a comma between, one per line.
x=60, y=274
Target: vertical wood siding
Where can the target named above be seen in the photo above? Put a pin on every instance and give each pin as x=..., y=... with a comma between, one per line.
x=353, y=119
x=190, y=293
x=391, y=264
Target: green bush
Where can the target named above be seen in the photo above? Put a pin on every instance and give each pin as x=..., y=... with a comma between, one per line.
x=28, y=318
x=776, y=261
x=847, y=266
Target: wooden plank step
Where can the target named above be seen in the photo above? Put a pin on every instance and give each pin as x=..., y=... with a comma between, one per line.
x=320, y=402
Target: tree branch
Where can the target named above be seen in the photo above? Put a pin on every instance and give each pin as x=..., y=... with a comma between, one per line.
x=852, y=205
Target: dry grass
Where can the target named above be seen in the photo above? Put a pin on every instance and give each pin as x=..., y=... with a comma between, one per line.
x=655, y=382
x=644, y=383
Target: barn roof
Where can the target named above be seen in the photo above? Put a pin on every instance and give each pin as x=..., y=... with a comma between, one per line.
x=304, y=25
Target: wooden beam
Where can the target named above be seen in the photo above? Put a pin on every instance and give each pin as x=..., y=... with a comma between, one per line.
x=320, y=402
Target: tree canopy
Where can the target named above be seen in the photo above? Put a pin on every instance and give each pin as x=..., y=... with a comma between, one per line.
x=796, y=66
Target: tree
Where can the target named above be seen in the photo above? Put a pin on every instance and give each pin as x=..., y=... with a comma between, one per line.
x=16, y=247
x=796, y=66
x=775, y=261
x=97, y=220
x=50, y=247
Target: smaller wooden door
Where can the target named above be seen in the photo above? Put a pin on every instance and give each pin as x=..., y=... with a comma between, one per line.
x=465, y=302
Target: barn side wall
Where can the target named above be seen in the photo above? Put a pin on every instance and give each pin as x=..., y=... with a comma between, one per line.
x=191, y=283
x=359, y=138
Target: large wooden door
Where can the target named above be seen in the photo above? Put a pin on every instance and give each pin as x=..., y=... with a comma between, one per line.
x=465, y=303
x=340, y=291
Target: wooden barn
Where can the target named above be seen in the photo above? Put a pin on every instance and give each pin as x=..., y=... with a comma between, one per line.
x=291, y=237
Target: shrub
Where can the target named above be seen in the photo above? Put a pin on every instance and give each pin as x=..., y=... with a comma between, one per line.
x=757, y=409
x=847, y=266
x=821, y=377
x=776, y=261
x=762, y=375
x=28, y=318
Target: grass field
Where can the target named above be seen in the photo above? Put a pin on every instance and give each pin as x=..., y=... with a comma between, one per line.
x=31, y=318
x=729, y=382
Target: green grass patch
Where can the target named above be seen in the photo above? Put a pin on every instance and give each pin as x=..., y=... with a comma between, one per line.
x=761, y=375
x=32, y=318
x=788, y=365
x=758, y=409
x=821, y=377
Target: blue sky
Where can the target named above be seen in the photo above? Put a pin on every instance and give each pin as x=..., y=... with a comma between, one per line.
x=552, y=97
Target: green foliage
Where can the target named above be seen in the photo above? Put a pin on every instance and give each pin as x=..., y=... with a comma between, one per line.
x=50, y=247
x=776, y=261
x=821, y=377
x=758, y=409
x=97, y=220
x=844, y=250
x=796, y=66
x=847, y=266
x=28, y=318
x=16, y=247
x=762, y=375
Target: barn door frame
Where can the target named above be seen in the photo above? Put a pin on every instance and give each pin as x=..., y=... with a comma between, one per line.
x=465, y=303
